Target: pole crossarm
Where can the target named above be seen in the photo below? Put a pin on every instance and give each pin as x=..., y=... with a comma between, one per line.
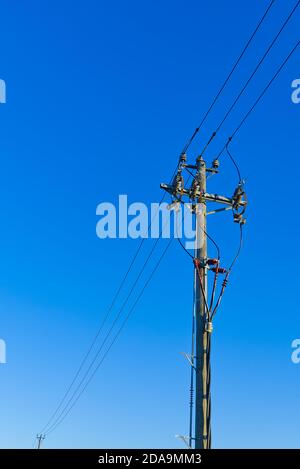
x=220, y=199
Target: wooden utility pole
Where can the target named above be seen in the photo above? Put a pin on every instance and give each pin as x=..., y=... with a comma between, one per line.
x=202, y=365
x=204, y=310
x=40, y=438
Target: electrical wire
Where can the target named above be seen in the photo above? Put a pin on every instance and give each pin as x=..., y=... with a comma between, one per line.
x=132, y=309
x=238, y=251
x=234, y=162
x=179, y=239
x=215, y=282
x=259, y=64
x=208, y=389
x=115, y=320
x=140, y=246
x=214, y=101
x=240, y=94
x=86, y=356
x=266, y=88
x=191, y=403
x=215, y=244
x=259, y=99
x=241, y=226
x=208, y=237
x=225, y=281
x=202, y=287
x=34, y=444
x=108, y=313
x=117, y=317
x=192, y=363
x=193, y=257
x=88, y=353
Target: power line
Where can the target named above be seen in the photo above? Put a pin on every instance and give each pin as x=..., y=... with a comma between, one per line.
x=240, y=94
x=84, y=360
x=258, y=99
x=225, y=281
x=114, y=322
x=117, y=317
x=140, y=246
x=266, y=88
x=237, y=167
x=96, y=336
x=214, y=101
x=106, y=337
x=234, y=162
x=86, y=356
x=191, y=415
x=58, y=422
x=209, y=237
x=107, y=314
x=204, y=231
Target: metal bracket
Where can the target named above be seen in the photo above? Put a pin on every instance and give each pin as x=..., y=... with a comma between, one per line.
x=190, y=358
x=218, y=210
x=185, y=439
x=174, y=206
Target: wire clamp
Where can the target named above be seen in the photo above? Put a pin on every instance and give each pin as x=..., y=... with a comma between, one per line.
x=209, y=327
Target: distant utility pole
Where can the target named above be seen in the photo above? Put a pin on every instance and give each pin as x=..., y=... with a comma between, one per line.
x=205, y=309
x=40, y=439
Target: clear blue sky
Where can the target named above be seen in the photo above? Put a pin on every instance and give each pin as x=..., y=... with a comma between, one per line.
x=101, y=97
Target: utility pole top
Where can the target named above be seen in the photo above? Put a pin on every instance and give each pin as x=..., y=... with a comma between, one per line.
x=40, y=438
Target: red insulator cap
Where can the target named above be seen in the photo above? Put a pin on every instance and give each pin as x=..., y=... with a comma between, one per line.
x=212, y=261
x=219, y=270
